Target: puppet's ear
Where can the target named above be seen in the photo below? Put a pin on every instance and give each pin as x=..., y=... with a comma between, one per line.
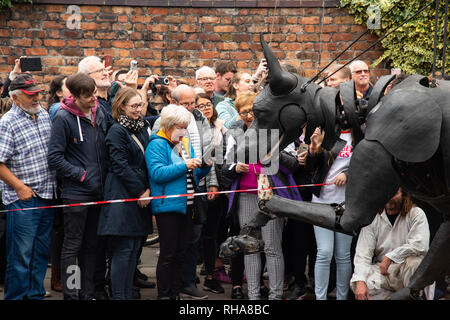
x=281, y=82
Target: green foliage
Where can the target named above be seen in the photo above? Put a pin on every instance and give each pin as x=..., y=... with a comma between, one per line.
x=5, y=4
x=410, y=47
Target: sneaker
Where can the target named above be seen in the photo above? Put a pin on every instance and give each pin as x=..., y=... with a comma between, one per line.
x=193, y=292
x=264, y=292
x=140, y=275
x=47, y=294
x=288, y=282
x=140, y=283
x=236, y=293
x=222, y=276
x=332, y=294
x=213, y=285
x=297, y=293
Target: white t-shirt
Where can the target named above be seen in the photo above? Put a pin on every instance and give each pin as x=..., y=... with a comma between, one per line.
x=332, y=193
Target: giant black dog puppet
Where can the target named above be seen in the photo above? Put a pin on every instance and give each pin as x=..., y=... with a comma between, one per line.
x=406, y=144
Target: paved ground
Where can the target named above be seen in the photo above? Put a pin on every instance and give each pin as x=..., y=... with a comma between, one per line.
x=149, y=259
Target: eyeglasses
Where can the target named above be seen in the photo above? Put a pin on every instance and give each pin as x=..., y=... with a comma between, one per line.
x=204, y=106
x=98, y=70
x=136, y=105
x=246, y=113
x=206, y=79
x=361, y=71
x=187, y=104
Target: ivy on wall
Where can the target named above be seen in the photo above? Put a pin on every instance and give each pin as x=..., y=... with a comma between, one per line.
x=410, y=47
x=8, y=3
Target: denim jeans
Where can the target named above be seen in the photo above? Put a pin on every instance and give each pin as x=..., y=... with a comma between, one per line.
x=27, y=247
x=328, y=242
x=124, y=252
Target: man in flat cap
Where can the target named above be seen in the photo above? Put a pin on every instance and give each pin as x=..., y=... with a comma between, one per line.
x=26, y=182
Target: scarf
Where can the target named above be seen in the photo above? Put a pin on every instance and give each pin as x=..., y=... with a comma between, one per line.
x=133, y=125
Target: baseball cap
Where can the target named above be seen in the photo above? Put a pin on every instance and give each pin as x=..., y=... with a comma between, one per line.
x=25, y=83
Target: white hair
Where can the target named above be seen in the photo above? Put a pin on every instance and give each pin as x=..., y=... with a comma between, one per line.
x=83, y=65
x=352, y=64
x=176, y=93
x=198, y=90
x=203, y=69
x=15, y=93
x=172, y=115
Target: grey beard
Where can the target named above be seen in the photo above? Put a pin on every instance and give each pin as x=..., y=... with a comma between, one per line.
x=31, y=111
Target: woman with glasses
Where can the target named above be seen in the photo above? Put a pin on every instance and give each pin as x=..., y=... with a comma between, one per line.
x=126, y=224
x=216, y=207
x=240, y=83
x=244, y=207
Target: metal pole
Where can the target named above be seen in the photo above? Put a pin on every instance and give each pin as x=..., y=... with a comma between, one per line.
x=444, y=47
x=435, y=39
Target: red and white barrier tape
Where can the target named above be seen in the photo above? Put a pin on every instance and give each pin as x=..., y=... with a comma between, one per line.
x=160, y=197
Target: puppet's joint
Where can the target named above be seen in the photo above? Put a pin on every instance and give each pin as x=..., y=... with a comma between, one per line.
x=264, y=210
x=249, y=241
x=339, y=210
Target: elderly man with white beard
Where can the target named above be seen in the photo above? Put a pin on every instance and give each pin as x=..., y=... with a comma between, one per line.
x=26, y=182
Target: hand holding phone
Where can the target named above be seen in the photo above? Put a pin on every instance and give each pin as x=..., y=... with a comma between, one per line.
x=303, y=147
x=108, y=60
x=31, y=64
x=133, y=65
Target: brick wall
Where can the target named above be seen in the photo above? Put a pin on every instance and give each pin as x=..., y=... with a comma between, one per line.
x=177, y=40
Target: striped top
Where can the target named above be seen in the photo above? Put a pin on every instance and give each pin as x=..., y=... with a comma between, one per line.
x=189, y=179
x=194, y=137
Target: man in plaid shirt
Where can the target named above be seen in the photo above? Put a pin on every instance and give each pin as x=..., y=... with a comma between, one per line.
x=26, y=182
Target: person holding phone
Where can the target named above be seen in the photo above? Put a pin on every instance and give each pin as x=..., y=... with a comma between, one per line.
x=12, y=75
x=201, y=137
x=331, y=167
x=243, y=208
x=217, y=205
x=173, y=168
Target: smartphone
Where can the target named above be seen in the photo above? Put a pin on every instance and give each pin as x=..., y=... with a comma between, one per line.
x=108, y=60
x=133, y=65
x=31, y=64
x=302, y=148
x=208, y=154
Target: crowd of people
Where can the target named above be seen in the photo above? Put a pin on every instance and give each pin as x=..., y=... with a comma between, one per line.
x=100, y=136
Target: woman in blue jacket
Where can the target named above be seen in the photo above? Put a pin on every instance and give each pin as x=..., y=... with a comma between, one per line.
x=173, y=169
x=126, y=223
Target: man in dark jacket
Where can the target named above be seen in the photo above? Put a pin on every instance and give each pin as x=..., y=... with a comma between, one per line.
x=77, y=152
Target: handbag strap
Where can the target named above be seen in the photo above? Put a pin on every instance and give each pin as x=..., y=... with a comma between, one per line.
x=138, y=143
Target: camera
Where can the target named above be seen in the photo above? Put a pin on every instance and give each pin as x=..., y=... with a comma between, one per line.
x=162, y=81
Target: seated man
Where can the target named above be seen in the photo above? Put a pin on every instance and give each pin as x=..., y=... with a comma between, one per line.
x=390, y=249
